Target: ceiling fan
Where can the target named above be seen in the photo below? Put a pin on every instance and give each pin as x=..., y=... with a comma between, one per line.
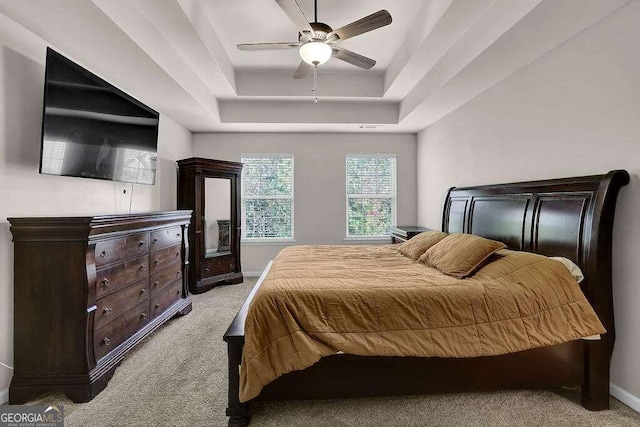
x=317, y=42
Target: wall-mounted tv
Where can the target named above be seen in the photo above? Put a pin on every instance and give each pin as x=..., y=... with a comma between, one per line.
x=92, y=129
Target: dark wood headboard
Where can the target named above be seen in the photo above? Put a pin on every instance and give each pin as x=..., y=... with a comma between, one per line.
x=569, y=217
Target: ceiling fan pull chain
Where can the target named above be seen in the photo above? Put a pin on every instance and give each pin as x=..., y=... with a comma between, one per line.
x=315, y=83
x=315, y=8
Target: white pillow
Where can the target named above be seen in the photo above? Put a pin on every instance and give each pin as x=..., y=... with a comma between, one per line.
x=571, y=266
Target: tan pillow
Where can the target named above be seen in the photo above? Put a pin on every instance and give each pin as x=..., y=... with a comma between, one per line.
x=419, y=243
x=460, y=255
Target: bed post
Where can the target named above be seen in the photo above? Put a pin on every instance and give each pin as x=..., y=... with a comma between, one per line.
x=595, y=387
x=594, y=394
x=445, y=211
x=237, y=412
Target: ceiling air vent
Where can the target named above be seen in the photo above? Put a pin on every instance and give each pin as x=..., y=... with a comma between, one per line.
x=368, y=126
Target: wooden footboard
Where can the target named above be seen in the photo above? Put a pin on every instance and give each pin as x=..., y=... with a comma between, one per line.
x=238, y=412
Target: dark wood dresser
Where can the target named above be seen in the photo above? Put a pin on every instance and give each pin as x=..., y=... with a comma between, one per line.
x=87, y=289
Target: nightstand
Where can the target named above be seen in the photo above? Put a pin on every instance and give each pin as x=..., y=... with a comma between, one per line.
x=402, y=233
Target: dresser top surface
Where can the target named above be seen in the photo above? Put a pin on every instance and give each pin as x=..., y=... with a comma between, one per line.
x=54, y=220
x=99, y=226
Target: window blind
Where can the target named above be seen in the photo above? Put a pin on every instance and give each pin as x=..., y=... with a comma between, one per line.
x=267, y=196
x=371, y=195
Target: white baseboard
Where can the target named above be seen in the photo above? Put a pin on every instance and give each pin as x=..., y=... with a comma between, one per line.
x=625, y=397
x=251, y=273
x=4, y=396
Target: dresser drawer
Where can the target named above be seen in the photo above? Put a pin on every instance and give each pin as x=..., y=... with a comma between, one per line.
x=215, y=267
x=160, y=280
x=109, y=251
x=119, y=303
x=165, y=258
x=166, y=237
x=165, y=298
x=118, y=330
x=115, y=277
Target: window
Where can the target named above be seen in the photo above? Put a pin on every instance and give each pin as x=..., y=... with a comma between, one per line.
x=267, y=197
x=371, y=194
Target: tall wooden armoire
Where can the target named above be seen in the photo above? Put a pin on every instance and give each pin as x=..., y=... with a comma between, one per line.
x=211, y=188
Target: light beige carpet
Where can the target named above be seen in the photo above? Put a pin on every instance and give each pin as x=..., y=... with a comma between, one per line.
x=178, y=377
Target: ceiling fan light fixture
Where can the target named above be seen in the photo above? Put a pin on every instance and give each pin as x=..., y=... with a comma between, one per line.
x=315, y=53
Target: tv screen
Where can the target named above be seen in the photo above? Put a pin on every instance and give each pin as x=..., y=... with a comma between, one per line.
x=91, y=129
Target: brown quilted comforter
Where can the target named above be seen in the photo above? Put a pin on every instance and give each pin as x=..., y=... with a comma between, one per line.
x=372, y=301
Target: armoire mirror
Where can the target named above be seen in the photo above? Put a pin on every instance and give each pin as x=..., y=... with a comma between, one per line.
x=217, y=217
x=211, y=189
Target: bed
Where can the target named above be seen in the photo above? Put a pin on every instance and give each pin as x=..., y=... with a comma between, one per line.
x=570, y=217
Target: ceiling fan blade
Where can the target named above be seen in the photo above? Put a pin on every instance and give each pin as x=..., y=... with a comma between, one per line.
x=366, y=24
x=293, y=11
x=303, y=70
x=269, y=46
x=353, y=58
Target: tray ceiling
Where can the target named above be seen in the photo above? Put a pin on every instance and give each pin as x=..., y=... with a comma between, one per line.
x=179, y=56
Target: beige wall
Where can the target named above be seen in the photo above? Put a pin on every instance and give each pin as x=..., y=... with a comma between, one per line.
x=319, y=179
x=575, y=111
x=23, y=192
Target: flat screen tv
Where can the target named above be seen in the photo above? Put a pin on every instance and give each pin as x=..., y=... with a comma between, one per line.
x=91, y=129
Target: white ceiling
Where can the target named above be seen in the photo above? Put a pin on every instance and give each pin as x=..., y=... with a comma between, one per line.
x=179, y=56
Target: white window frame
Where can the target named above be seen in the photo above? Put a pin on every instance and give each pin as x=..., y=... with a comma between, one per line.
x=394, y=203
x=243, y=197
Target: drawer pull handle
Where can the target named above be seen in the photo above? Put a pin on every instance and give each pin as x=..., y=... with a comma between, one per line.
x=105, y=282
x=155, y=284
x=157, y=306
x=230, y=265
x=107, y=311
x=178, y=292
x=178, y=235
x=155, y=240
x=143, y=315
x=143, y=267
x=207, y=269
x=178, y=273
x=104, y=254
x=177, y=253
x=156, y=261
x=141, y=243
x=106, y=341
x=143, y=291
